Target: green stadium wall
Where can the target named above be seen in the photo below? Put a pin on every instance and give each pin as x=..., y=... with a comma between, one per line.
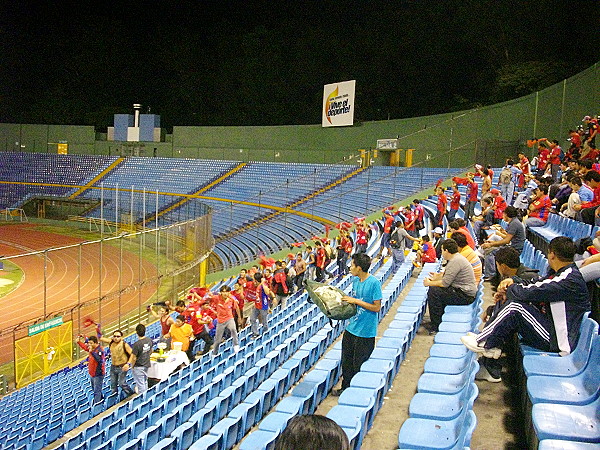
x=443, y=139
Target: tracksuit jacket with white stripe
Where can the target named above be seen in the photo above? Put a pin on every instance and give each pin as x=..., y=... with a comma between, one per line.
x=566, y=293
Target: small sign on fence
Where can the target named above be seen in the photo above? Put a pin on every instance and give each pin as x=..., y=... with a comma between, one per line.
x=43, y=326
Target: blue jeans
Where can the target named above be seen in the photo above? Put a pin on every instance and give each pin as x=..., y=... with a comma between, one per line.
x=97, y=388
x=259, y=315
x=397, y=258
x=140, y=378
x=117, y=379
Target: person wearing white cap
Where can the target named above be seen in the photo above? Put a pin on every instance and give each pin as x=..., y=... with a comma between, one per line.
x=438, y=240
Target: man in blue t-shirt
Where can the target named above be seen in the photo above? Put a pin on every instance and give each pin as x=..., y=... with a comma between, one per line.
x=359, y=338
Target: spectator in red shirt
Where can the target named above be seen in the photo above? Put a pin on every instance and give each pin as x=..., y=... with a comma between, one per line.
x=409, y=222
x=238, y=293
x=362, y=238
x=442, y=206
x=543, y=154
x=540, y=208
x=588, y=210
x=498, y=206
x=96, y=368
x=454, y=202
x=525, y=168
x=225, y=307
x=420, y=214
x=472, y=198
x=320, y=257
x=426, y=253
x=574, y=151
x=460, y=226
x=195, y=317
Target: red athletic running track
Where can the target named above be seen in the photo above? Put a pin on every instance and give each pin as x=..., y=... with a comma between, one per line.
x=27, y=302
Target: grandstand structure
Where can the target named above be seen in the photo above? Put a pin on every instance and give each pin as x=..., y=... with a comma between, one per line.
x=245, y=399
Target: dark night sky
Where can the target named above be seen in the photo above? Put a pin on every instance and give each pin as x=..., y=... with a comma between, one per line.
x=265, y=63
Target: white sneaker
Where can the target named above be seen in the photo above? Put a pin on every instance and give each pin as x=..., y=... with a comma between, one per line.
x=484, y=374
x=236, y=348
x=470, y=341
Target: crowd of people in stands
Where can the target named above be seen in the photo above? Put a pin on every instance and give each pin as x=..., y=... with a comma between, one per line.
x=544, y=309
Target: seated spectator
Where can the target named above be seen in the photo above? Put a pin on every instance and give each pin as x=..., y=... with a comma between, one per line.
x=579, y=194
x=587, y=210
x=539, y=209
x=485, y=221
x=546, y=313
x=513, y=235
x=455, y=286
x=499, y=205
x=524, y=197
x=438, y=240
x=461, y=226
x=426, y=252
x=312, y=432
x=470, y=254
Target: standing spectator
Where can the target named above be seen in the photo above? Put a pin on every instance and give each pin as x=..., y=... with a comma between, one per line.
x=555, y=158
x=574, y=151
x=358, y=341
x=525, y=168
x=139, y=360
x=455, y=286
x=442, y=206
x=311, y=263
x=590, y=132
x=486, y=185
x=262, y=304
x=454, y=203
x=362, y=238
x=540, y=207
x=300, y=271
x=165, y=320
x=344, y=249
x=96, y=367
x=420, y=215
x=282, y=285
x=472, y=189
x=194, y=315
x=119, y=353
x=410, y=220
x=225, y=307
x=543, y=155
x=182, y=332
x=398, y=241
x=238, y=294
x=320, y=256
x=507, y=181
x=514, y=235
x=387, y=231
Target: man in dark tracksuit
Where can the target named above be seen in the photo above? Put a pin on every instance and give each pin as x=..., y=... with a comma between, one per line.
x=547, y=312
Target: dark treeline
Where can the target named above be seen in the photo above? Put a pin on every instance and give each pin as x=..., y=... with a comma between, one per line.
x=265, y=63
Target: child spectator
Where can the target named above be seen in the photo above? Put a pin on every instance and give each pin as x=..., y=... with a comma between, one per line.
x=426, y=252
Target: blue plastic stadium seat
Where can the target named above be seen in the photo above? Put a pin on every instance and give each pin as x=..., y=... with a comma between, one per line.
x=567, y=422
x=259, y=440
x=185, y=434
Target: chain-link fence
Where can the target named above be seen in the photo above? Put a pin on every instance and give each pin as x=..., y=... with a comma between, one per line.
x=110, y=280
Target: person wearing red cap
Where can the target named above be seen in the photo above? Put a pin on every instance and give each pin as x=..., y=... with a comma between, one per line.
x=498, y=206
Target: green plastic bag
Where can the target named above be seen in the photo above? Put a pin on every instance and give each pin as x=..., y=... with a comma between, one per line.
x=328, y=299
